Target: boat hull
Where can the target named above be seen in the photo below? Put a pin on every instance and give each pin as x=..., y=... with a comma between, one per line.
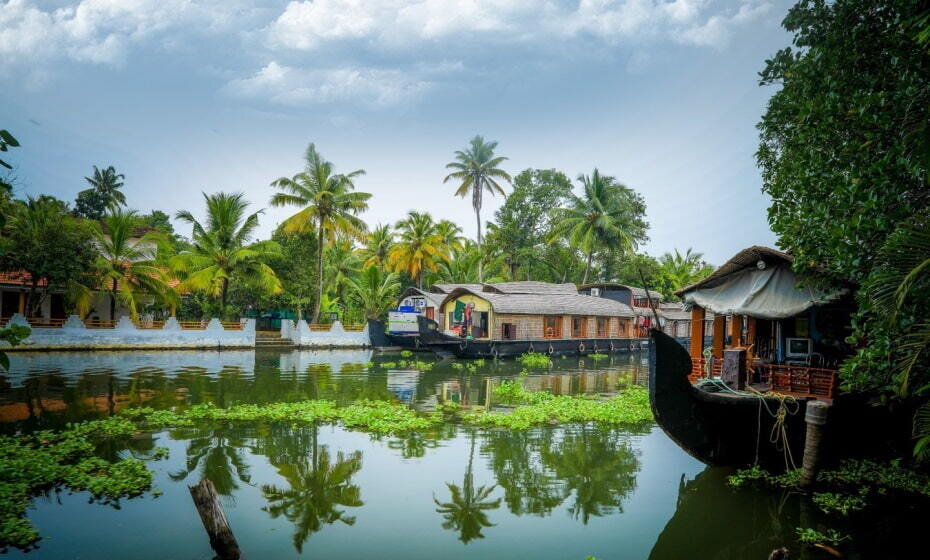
x=717, y=428
x=462, y=348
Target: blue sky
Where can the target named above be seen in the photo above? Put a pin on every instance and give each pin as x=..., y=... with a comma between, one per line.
x=185, y=96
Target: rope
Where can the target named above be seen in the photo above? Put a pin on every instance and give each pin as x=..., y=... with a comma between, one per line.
x=778, y=437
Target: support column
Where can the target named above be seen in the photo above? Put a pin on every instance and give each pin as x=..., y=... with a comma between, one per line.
x=751, y=337
x=816, y=418
x=736, y=331
x=22, y=303
x=720, y=329
x=697, y=333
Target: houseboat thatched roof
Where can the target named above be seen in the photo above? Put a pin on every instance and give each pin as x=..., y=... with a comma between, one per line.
x=446, y=288
x=636, y=291
x=530, y=287
x=757, y=282
x=547, y=304
x=434, y=299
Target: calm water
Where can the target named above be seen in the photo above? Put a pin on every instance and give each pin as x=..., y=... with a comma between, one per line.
x=458, y=492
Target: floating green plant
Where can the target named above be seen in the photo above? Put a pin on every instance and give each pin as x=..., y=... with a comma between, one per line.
x=808, y=535
x=388, y=365
x=628, y=407
x=535, y=359
x=597, y=356
x=406, y=353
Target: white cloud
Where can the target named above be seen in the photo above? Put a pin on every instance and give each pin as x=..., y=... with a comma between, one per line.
x=294, y=86
x=307, y=24
x=100, y=31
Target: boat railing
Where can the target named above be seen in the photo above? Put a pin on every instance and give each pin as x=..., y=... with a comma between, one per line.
x=798, y=380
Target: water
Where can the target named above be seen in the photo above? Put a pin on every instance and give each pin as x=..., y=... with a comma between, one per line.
x=457, y=492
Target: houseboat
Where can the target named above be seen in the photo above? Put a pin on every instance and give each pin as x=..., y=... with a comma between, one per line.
x=416, y=308
x=772, y=336
x=512, y=318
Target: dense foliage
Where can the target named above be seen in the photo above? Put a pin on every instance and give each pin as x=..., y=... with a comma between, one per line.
x=845, y=147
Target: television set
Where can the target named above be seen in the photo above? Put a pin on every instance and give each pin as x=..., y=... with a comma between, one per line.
x=798, y=347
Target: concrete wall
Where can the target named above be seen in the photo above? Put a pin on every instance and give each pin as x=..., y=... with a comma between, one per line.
x=75, y=336
x=336, y=337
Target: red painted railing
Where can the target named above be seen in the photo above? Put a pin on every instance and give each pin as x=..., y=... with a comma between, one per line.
x=798, y=381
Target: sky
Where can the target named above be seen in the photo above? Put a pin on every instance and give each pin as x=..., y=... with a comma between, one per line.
x=186, y=97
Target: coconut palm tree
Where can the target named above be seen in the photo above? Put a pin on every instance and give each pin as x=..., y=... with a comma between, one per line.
x=330, y=206
x=378, y=244
x=107, y=183
x=594, y=220
x=477, y=169
x=419, y=246
x=451, y=234
x=126, y=263
x=221, y=252
x=342, y=263
x=681, y=270
x=375, y=291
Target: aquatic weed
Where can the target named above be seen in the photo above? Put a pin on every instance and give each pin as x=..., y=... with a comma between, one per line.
x=534, y=359
x=808, y=535
x=406, y=353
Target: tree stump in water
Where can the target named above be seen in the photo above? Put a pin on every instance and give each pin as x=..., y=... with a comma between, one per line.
x=780, y=554
x=214, y=520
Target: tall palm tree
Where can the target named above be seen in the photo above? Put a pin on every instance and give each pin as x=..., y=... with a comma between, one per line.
x=419, y=246
x=477, y=169
x=221, y=252
x=378, y=244
x=465, y=512
x=342, y=263
x=330, y=206
x=126, y=263
x=375, y=291
x=594, y=220
x=107, y=183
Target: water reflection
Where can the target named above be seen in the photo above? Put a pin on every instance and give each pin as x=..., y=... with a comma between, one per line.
x=217, y=455
x=47, y=390
x=318, y=487
x=590, y=470
x=466, y=510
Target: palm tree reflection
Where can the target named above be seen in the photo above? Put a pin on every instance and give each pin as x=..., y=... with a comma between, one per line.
x=317, y=487
x=217, y=454
x=466, y=510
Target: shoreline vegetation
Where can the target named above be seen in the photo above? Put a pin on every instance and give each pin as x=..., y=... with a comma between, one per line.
x=66, y=460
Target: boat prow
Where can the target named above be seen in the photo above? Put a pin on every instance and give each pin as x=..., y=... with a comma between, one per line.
x=716, y=428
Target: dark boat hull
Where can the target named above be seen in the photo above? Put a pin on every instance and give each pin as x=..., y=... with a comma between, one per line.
x=719, y=429
x=462, y=348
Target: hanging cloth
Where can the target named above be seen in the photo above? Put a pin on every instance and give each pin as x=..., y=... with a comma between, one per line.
x=459, y=312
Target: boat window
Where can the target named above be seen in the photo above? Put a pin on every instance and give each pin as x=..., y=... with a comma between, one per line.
x=579, y=327
x=602, y=323
x=621, y=328
x=552, y=326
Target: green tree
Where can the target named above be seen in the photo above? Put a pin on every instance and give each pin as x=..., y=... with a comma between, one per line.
x=7, y=141
x=330, y=206
x=477, y=170
x=103, y=195
x=608, y=216
x=296, y=268
x=221, y=251
x=844, y=154
x=43, y=240
x=375, y=291
x=377, y=246
x=419, y=246
x=126, y=265
x=342, y=264
x=524, y=220
x=680, y=270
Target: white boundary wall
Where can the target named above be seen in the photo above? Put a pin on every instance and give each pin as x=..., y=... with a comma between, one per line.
x=336, y=337
x=126, y=336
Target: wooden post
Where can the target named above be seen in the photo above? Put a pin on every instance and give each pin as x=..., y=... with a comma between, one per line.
x=696, y=346
x=22, y=303
x=720, y=330
x=214, y=520
x=736, y=331
x=815, y=417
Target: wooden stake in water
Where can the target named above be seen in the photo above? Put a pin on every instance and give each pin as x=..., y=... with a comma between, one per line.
x=214, y=520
